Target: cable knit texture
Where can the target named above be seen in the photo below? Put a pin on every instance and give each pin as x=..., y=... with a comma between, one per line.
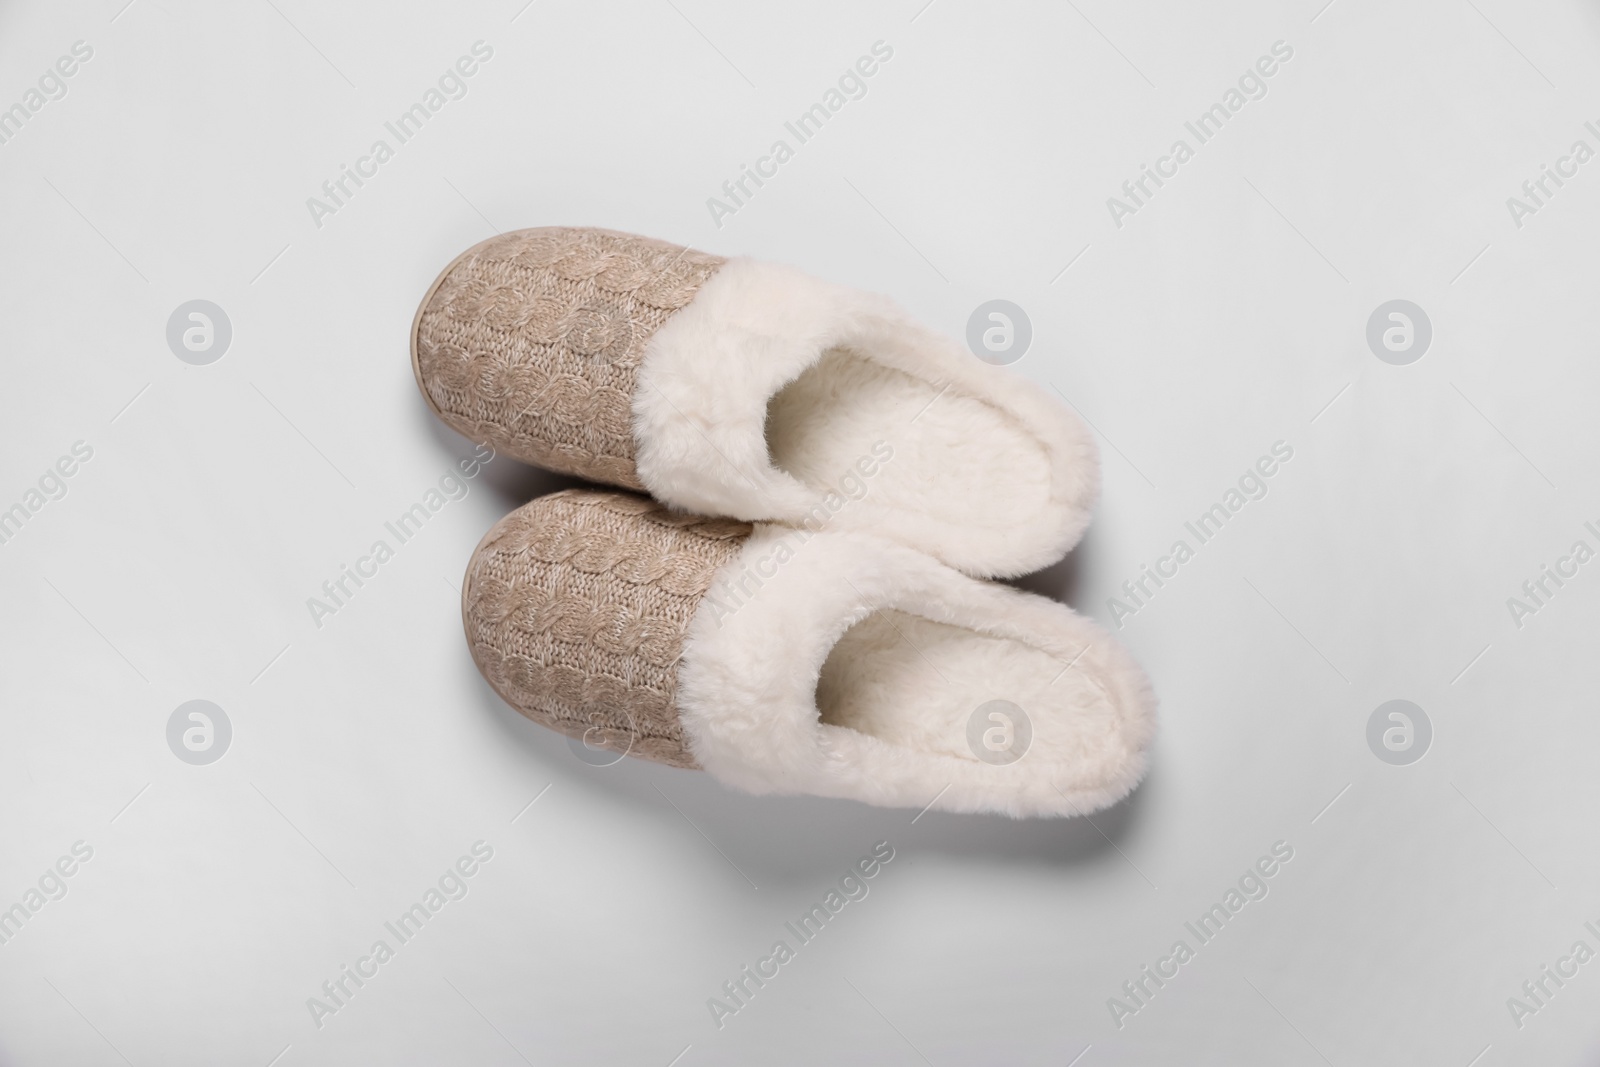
x=531, y=341
x=576, y=607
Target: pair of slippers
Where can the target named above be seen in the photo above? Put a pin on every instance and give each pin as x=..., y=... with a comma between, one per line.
x=800, y=607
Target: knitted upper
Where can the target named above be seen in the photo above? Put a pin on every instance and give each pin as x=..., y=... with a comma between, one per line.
x=576, y=607
x=531, y=341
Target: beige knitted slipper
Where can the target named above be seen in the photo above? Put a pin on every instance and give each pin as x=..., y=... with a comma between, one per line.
x=742, y=388
x=786, y=661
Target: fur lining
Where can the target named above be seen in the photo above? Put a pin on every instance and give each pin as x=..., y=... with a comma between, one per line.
x=781, y=616
x=991, y=474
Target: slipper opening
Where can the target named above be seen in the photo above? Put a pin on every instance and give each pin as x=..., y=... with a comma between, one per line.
x=1006, y=709
x=953, y=459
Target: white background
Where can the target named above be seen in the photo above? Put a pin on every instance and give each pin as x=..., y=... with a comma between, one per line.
x=1228, y=314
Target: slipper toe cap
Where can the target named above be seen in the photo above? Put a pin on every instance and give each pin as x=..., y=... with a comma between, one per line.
x=531, y=341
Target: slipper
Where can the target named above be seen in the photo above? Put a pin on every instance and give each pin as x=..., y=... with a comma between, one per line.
x=742, y=388
x=835, y=664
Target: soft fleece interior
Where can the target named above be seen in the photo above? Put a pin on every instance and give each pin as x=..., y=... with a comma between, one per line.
x=956, y=458
x=840, y=664
x=914, y=683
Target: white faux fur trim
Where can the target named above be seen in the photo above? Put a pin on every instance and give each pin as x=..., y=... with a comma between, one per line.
x=701, y=406
x=748, y=684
